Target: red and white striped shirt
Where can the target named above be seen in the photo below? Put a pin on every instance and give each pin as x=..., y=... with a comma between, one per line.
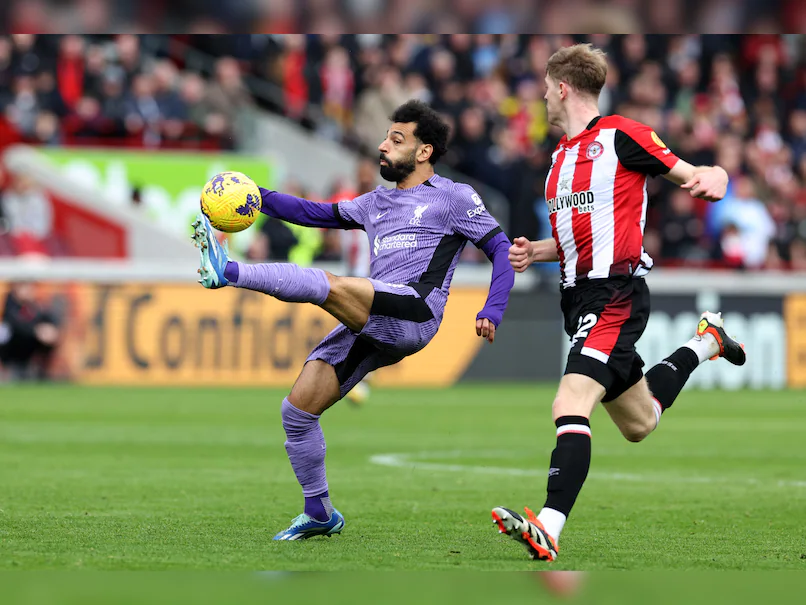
x=596, y=197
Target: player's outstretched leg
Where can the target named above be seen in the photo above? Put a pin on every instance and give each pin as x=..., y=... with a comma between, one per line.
x=317, y=388
x=637, y=411
x=285, y=281
x=710, y=341
x=348, y=299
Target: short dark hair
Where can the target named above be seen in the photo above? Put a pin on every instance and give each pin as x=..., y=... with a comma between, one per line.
x=431, y=129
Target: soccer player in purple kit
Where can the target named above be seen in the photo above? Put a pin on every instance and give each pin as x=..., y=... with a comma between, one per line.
x=417, y=232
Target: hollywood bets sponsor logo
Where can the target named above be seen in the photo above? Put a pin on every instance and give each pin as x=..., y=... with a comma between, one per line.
x=581, y=200
x=394, y=242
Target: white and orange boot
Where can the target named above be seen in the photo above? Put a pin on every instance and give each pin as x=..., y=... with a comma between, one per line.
x=529, y=532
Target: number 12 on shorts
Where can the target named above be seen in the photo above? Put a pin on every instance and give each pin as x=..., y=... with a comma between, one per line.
x=584, y=327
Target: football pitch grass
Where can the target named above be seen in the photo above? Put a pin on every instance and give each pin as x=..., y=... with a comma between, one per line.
x=144, y=478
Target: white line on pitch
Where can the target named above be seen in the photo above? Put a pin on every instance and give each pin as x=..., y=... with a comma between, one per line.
x=415, y=462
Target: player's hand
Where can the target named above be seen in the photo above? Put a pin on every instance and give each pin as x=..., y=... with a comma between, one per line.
x=710, y=185
x=46, y=333
x=486, y=329
x=521, y=254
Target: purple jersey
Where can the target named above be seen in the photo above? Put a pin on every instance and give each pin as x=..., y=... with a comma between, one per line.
x=416, y=235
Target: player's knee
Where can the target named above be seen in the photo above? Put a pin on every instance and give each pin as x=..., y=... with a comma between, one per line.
x=634, y=435
x=316, y=389
x=313, y=402
x=637, y=431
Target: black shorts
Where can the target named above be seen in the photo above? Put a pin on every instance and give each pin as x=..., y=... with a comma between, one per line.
x=604, y=319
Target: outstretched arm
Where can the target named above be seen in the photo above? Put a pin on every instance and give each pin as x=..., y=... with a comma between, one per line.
x=640, y=149
x=303, y=212
x=489, y=318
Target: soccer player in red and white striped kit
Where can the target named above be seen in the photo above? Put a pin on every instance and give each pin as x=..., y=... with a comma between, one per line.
x=597, y=200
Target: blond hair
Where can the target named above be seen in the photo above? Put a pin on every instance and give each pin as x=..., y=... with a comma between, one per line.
x=582, y=66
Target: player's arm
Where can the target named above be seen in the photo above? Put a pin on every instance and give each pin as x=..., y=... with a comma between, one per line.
x=523, y=253
x=705, y=182
x=503, y=278
x=304, y=212
x=471, y=220
x=640, y=149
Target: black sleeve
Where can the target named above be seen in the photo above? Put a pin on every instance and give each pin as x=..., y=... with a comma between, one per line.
x=634, y=157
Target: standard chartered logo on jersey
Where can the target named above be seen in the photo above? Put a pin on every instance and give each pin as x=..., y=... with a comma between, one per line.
x=394, y=242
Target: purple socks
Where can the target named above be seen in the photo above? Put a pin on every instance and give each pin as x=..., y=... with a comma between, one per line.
x=319, y=507
x=231, y=272
x=305, y=444
x=283, y=281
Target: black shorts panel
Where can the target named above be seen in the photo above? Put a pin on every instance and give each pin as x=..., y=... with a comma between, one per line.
x=604, y=319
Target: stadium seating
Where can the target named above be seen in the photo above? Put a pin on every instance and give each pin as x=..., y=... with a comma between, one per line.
x=736, y=101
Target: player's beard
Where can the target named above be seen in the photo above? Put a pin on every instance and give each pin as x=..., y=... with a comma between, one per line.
x=396, y=172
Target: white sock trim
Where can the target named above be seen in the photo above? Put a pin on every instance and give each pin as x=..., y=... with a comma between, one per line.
x=658, y=408
x=553, y=521
x=574, y=428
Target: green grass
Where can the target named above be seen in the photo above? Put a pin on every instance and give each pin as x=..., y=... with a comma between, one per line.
x=122, y=479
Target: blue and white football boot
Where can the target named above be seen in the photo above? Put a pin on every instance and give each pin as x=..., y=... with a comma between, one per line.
x=304, y=527
x=214, y=256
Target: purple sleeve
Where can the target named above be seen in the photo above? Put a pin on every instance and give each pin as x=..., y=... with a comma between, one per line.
x=354, y=212
x=470, y=217
x=497, y=250
x=303, y=212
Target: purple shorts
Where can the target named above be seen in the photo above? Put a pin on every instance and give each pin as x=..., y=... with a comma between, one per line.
x=400, y=324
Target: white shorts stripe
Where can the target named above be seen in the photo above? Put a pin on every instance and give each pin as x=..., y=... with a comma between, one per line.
x=573, y=428
x=588, y=352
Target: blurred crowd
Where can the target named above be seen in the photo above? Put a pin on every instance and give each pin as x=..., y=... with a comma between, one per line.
x=107, y=90
x=415, y=16
x=738, y=101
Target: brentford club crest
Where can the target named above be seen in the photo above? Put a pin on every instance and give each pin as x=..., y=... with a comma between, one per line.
x=594, y=150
